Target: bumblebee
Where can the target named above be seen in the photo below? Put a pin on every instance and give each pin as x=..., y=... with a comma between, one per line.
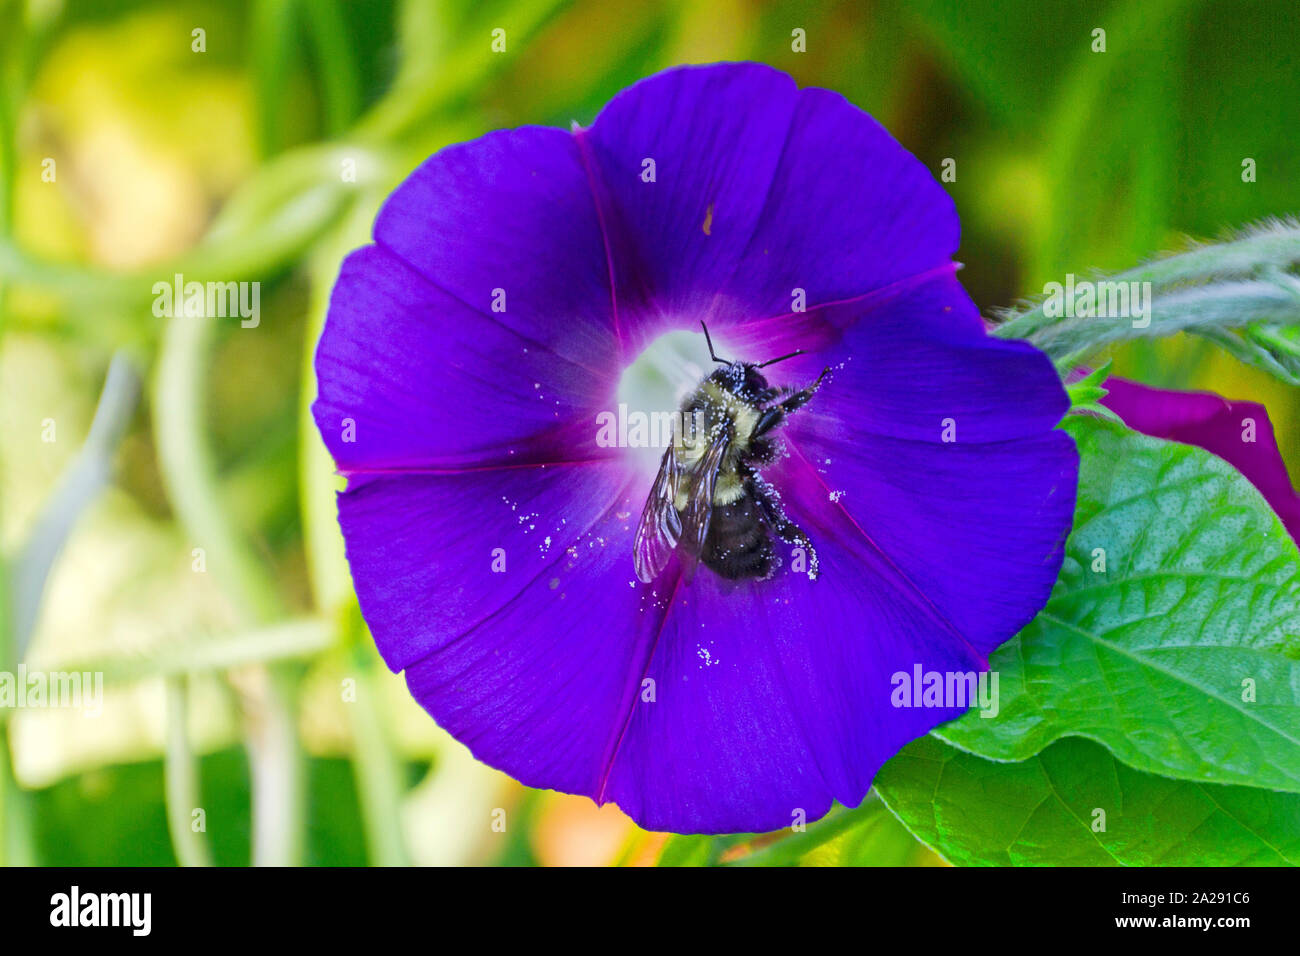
x=708, y=498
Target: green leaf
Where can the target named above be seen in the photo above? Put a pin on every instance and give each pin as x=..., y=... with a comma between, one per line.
x=1086, y=394
x=1045, y=811
x=1156, y=653
x=1090, y=388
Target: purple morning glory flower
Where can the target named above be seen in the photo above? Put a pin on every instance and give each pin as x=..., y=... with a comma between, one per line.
x=1237, y=431
x=529, y=288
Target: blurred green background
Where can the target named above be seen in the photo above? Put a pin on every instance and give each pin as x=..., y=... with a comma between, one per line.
x=241, y=681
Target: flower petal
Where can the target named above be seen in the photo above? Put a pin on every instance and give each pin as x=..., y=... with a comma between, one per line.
x=849, y=213
x=820, y=198
x=771, y=699
x=767, y=697
x=908, y=366
x=413, y=379
x=939, y=444
x=676, y=237
x=423, y=547
x=1238, y=432
x=974, y=532
x=532, y=663
x=511, y=211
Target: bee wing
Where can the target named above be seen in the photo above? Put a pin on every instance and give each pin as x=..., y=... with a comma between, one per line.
x=660, y=526
x=699, y=504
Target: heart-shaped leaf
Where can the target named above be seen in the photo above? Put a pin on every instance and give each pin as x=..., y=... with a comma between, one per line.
x=1173, y=633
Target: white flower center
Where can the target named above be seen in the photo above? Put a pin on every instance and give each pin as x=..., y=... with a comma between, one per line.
x=652, y=389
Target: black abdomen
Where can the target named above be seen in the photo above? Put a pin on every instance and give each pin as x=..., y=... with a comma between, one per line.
x=738, y=545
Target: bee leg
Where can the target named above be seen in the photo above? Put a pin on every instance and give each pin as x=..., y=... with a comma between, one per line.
x=800, y=398
x=775, y=414
x=770, y=418
x=785, y=529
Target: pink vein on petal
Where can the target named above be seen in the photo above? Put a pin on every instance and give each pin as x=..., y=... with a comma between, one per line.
x=584, y=152
x=874, y=297
x=608, y=767
x=601, y=515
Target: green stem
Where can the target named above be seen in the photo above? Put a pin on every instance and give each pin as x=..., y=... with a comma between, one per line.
x=336, y=63
x=77, y=487
x=317, y=479
x=16, y=848
x=378, y=772
x=416, y=95
x=15, y=811
x=277, y=770
x=271, y=40
x=241, y=244
x=20, y=37
x=1254, y=253
x=189, y=475
x=295, y=639
x=376, y=767
x=181, y=775
x=1208, y=291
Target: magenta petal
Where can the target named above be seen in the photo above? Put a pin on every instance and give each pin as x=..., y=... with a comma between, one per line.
x=1219, y=425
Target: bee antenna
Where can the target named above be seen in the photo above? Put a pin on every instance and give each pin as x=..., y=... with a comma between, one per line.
x=781, y=359
x=712, y=355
